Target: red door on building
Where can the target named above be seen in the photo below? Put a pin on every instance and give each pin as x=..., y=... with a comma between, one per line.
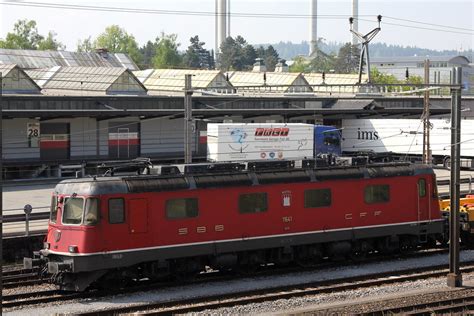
x=124, y=140
x=54, y=141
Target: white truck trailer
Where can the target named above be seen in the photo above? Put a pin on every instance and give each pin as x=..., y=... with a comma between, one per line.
x=402, y=139
x=259, y=141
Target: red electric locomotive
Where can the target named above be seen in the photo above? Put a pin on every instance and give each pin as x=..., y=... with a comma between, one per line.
x=233, y=215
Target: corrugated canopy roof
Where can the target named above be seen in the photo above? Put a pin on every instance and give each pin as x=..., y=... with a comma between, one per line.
x=242, y=78
x=5, y=69
x=30, y=59
x=86, y=79
x=330, y=78
x=173, y=79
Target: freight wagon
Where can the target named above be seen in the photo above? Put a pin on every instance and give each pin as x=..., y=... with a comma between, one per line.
x=402, y=139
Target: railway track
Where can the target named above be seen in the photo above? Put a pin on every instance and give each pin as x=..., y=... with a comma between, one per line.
x=442, y=302
x=19, y=277
x=282, y=292
x=44, y=297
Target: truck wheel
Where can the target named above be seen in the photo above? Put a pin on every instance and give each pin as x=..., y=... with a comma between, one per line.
x=447, y=163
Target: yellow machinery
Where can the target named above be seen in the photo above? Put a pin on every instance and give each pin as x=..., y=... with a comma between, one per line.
x=466, y=220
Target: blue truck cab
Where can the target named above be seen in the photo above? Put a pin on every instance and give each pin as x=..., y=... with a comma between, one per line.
x=327, y=140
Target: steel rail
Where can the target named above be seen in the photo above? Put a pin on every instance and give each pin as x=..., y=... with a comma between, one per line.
x=279, y=292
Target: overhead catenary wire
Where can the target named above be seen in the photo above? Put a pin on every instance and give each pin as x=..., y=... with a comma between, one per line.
x=209, y=13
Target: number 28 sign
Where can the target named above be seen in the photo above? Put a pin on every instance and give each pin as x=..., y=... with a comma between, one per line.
x=33, y=130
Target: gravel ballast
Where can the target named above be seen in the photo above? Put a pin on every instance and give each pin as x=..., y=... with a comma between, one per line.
x=246, y=284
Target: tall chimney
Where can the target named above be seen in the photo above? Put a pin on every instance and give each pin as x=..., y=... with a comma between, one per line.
x=221, y=23
x=313, y=28
x=355, y=25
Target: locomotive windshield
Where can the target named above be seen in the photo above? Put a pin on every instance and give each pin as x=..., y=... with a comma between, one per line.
x=73, y=208
x=54, y=209
x=75, y=213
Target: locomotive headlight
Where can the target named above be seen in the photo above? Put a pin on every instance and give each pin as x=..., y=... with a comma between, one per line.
x=46, y=245
x=72, y=249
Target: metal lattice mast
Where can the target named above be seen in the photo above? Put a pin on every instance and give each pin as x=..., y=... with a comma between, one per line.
x=364, y=41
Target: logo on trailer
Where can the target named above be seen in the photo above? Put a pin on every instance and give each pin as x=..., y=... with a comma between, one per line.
x=272, y=155
x=263, y=155
x=286, y=198
x=272, y=131
x=238, y=136
x=367, y=135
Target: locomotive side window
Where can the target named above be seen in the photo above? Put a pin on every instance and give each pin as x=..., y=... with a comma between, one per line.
x=182, y=208
x=54, y=209
x=253, y=203
x=317, y=198
x=421, y=187
x=116, y=211
x=91, y=214
x=73, y=208
x=377, y=194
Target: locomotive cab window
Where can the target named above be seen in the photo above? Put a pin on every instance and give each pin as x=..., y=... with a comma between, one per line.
x=182, y=208
x=54, y=209
x=73, y=208
x=116, y=211
x=317, y=198
x=91, y=214
x=421, y=187
x=377, y=194
x=253, y=203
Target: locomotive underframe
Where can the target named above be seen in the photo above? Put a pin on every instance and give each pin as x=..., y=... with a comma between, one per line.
x=90, y=267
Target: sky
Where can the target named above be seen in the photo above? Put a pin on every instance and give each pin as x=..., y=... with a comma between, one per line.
x=333, y=25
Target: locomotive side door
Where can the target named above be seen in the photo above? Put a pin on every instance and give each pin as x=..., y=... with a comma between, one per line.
x=138, y=216
x=423, y=200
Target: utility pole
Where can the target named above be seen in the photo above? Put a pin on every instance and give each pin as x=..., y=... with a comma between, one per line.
x=454, y=276
x=426, y=117
x=188, y=118
x=364, y=40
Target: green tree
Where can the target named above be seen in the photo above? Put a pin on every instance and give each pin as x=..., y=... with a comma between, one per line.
x=167, y=55
x=270, y=58
x=236, y=54
x=249, y=55
x=50, y=43
x=322, y=62
x=148, y=52
x=229, y=55
x=85, y=46
x=196, y=55
x=25, y=36
x=300, y=64
x=117, y=40
x=347, y=60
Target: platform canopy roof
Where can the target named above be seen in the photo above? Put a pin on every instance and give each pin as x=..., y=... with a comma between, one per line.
x=280, y=81
x=87, y=81
x=31, y=59
x=165, y=81
x=16, y=81
x=334, y=82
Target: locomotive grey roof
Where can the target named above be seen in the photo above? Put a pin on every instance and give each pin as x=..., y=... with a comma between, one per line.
x=139, y=184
